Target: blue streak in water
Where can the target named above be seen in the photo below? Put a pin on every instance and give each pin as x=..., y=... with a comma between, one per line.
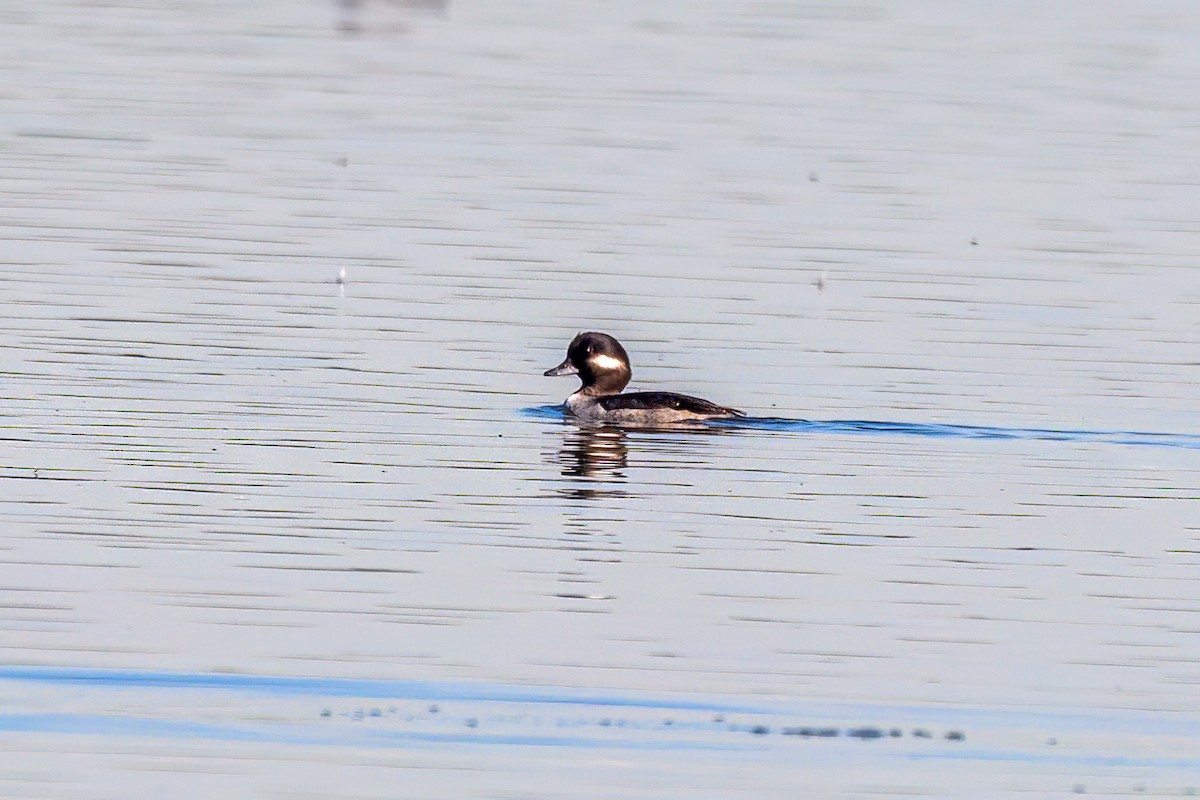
x=353, y=687
x=931, y=430
x=87, y=725
x=1110, y=722
x=971, y=717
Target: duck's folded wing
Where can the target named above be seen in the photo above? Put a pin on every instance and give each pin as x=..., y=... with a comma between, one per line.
x=654, y=400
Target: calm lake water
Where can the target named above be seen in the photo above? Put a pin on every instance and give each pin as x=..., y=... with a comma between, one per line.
x=288, y=509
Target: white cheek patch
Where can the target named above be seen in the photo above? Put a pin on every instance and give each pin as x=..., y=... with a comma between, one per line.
x=603, y=362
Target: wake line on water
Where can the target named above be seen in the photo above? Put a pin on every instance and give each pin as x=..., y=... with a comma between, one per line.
x=1142, y=438
x=930, y=430
x=302, y=686
x=395, y=713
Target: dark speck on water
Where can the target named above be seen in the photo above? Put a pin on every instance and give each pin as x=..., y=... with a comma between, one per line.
x=820, y=733
x=865, y=733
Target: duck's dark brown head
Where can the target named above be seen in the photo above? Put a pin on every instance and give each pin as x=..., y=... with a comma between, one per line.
x=600, y=362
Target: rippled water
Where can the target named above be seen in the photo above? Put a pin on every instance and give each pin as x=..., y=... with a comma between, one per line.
x=290, y=511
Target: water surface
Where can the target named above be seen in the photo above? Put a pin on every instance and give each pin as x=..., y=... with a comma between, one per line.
x=280, y=282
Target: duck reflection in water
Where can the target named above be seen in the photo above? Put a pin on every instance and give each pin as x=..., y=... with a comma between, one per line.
x=596, y=453
x=352, y=11
x=596, y=458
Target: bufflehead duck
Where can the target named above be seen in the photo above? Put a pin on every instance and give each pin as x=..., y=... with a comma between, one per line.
x=603, y=366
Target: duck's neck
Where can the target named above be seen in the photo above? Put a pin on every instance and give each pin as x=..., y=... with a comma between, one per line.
x=608, y=383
